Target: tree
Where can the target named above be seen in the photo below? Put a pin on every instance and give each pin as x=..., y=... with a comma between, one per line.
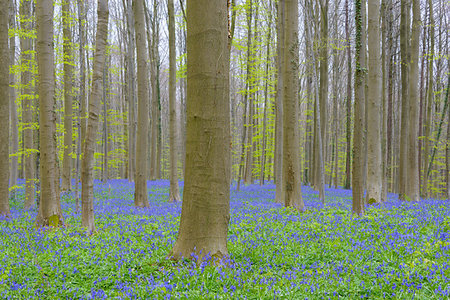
x=27, y=103
x=68, y=121
x=140, y=179
x=291, y=166
x=348, y=102
x=4, y=109
x=374, y=172
x=358, y=126
x=87, y=179
x=205, y=210
x=413, y=186
x=49, y=213
x=174, y=194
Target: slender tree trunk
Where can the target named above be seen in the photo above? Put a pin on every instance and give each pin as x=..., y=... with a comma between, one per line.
x=348, y=103
x=4, y=109
x=141, y=194
x=266, y=96
x=105, y=119
x=413, y=186
x=174, y=194
x=291, y=165
x=205, y=210
x=87, y=178
x=279, y=197
x=323, y=76
x=49, y=213
x=68, y=97
x=374, y=172
x=27, y=105
x=14, y=161
x=404, y=24
x=430, y=100
x=131, y=94
x=358, y=127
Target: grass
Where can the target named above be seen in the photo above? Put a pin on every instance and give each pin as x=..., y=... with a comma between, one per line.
x=398, y=250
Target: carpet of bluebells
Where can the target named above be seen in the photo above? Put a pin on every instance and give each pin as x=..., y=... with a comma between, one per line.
x=398, y=250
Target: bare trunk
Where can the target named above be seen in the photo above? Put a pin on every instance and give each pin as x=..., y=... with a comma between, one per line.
x=174, y=193
x=68, y=96
x=141, y=194
x=4, y=109
x=131, y=94
x=205, y=210
x=348, y=101
x=49, y=213
x=87, y=178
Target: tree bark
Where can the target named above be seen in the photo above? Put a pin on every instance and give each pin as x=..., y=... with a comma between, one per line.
x=141, y=194
x=348, y=103
x=131, y=94
x=49, y=213
x=4, y=110
x=205, y=210
x=27, y=106
x=68, y=121
x=291, y=165
x=174, y=193
x=87, y=178
x=413, y=185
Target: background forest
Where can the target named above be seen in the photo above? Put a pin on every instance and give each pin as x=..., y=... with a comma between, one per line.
x=336, y=110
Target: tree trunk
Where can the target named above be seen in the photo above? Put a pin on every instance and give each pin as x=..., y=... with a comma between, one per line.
x=291, y=177
x=412, y=186
x=266, y=96
x=27, y=105
x=141, y=194
x=279, y=197
x=4, y=110
x=323, y=77
x=131, y=94
x=174, y=193
x=348, y=103
x=404, y=24
x=358, y=126
x=205, y=210
x=87, y=178
x=49, y=213
x=14, y=161
x=68, y=77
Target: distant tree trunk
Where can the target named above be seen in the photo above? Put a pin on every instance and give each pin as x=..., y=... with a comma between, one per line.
x=87, y=179
x=412, y=186
x=358, y=127
x=279, y=197
x=105, y=118
x=374, y=172
x=323, y=77
x=348, y=102
x=131, y=93
x=14, y=166
x=430, y=100
x=4, y=110
x=291, y=177
x=404, y=45
x=68, y=62
x=174, y=193
x=141, y=194
x=49, y=213
x=266, y=96
x=27, y=105
x=205, y=210
x=335, y=100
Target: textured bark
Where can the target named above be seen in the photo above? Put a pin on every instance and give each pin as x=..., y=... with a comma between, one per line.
x=291, y=165
x=140, y=178
x=27, y=106
x=205, y=210
x=87, y=176
x=49, y=213
x=174, y=193
x=14, y=161
x=358, y=126
x=4, y=109
x=404, y=24
x=279, y=197
x=131, y=93
x=68, y=121
x=413, y=185
x=374, y=172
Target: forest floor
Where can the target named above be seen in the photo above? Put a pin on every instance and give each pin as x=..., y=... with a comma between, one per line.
x=397, y=250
